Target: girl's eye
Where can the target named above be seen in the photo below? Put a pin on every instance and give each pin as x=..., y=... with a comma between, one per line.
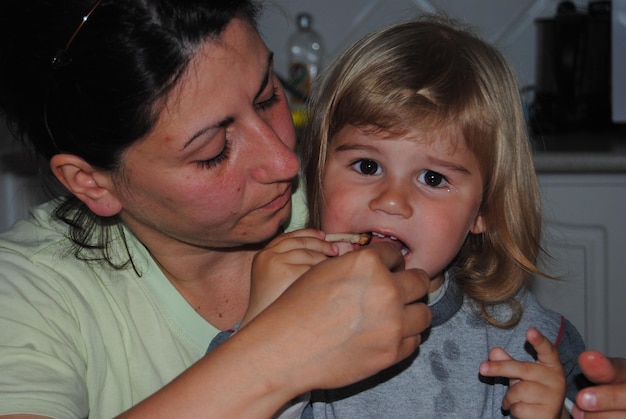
x=433, y=179
x=266, y=104
x=215, y=161
x=367, y=167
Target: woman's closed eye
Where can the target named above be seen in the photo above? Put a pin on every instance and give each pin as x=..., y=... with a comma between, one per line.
x=433, y=179
x=367, y=167
x=268, y=103
x=217, y=159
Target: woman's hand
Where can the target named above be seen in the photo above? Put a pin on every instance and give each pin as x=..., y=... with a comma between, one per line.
x=343, y=320
x=536, y=389
x=280, y=263
x=607, y=399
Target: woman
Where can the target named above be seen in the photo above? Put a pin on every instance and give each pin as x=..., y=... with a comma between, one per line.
x=165, y=124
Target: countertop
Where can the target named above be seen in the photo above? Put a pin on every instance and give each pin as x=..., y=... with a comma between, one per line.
x=581, y=152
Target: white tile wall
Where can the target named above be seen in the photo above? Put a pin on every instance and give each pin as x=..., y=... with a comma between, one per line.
x=508, y=24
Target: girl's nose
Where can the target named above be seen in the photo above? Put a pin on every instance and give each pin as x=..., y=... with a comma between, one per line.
x=392, y=199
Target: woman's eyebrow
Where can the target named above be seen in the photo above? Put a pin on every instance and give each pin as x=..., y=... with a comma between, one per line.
x=220, y=124
x=226, y=121
x=266, y=77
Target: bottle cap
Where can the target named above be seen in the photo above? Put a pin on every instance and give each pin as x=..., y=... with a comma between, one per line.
x=304, y=20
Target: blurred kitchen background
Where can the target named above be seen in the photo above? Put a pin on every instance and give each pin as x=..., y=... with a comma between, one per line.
x=560, y=50
x=570, y=60
x=508, y=24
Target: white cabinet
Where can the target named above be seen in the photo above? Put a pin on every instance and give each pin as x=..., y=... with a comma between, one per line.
x=585, y=236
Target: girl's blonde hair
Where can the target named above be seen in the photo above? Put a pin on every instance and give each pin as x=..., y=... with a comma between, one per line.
x=430, y=74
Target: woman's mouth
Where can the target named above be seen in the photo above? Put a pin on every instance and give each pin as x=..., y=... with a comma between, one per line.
x=279, y=202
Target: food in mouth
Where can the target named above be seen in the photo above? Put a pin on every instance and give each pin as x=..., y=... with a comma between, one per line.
x=378, y=237
x=367, y=238
x=354, y=238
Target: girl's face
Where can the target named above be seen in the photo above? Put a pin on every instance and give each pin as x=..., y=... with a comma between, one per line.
x=216, y=171
x=421, y=191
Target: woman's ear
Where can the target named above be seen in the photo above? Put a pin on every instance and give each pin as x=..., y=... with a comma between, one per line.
x=92, y=186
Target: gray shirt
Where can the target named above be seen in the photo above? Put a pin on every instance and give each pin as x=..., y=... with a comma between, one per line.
x=441, y=378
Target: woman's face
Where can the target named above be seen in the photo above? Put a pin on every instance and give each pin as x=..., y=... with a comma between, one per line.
x=217, y=169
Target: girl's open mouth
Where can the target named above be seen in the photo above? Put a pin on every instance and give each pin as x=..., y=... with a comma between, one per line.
x=379, y=237
x=363, y=239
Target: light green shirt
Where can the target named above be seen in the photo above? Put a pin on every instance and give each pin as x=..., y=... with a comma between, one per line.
x=80, y=339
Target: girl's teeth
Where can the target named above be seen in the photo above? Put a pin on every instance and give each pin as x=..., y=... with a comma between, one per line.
x=382, y=236
x=404, y=250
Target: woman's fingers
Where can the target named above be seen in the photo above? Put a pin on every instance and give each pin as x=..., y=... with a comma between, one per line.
x=418, y=318
x=602, y=370
x=352, y=316
x=389, y=255
x=608, y=398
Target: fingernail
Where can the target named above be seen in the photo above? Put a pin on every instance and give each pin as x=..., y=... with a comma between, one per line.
x=483, y=368
x=589, y=400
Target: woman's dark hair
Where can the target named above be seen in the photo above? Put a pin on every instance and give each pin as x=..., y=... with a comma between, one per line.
x=106, y=92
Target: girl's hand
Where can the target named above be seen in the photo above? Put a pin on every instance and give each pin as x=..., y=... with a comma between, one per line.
x=536, y=389
x=280, y=263
x=608, y=398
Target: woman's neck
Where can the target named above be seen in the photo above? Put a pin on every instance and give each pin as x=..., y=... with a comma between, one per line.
x=215, y=283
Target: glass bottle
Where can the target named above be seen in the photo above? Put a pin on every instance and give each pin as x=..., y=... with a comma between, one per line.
x=305, y=50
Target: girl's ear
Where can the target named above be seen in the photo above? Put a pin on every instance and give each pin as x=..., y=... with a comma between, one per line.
x=92, y=186
x=480, y=225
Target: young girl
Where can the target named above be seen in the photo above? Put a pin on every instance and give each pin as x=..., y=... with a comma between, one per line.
x=418, y=137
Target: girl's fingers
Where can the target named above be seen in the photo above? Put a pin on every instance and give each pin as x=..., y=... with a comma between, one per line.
x=499, y=354
x=547, y=354
x=535, y=388
x=502, y=365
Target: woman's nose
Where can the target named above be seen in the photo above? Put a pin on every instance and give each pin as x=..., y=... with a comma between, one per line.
x=273, y=160
x=393, y=199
